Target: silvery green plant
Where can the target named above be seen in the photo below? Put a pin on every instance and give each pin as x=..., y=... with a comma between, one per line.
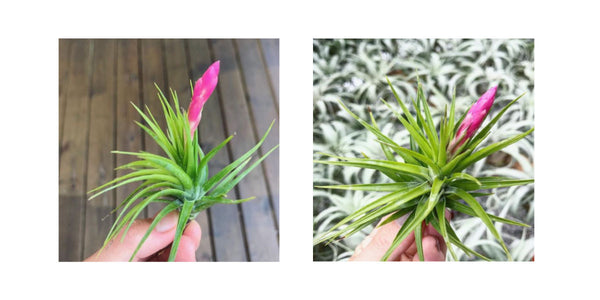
x=180, y=180
x=429, y=177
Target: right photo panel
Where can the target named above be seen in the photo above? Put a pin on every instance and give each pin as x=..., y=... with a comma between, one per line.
x=423, y=149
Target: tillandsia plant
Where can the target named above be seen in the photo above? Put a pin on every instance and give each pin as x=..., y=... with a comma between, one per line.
x=430, y=178
x=180, y=180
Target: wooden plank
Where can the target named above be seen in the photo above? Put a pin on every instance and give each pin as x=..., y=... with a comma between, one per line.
x=178, y=79
x=101, y=139
x=263, y=109
x=73, y=152
x=270, y=51
x=70, y=211
x=128, y=134
x=261, y=232
x=63, y=80
x=225, y=220
x=152, y=66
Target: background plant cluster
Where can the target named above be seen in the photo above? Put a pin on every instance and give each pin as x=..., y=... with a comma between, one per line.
x=355, y=71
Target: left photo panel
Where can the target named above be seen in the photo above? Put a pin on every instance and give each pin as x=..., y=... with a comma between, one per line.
x=168, y=150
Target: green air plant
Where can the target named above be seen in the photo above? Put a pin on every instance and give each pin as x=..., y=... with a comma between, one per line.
x=430, y=178
x=180, y=180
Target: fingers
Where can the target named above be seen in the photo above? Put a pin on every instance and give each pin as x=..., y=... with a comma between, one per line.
x=188, y=244
x=432, y=249
x=190, y=241
x=157, y=245
x=159, y=238
x=376, y=244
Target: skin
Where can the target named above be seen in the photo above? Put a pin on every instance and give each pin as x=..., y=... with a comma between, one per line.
x=157, y=245
x=374, y=246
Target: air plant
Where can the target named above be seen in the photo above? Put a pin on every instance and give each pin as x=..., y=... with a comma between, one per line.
x=430, y=178
x=180, y=179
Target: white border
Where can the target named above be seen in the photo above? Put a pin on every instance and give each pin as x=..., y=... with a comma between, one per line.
x=566, y=159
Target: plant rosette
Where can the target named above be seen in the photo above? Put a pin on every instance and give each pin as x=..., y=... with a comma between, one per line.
x=180, y=180
x=429, y=176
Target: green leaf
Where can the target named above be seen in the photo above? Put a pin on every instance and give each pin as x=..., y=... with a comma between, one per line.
x=465, y=176
x=483, y=153
x=388, y=153
x=427, y=121
x=224, y=200
x=424, y=208
x=489, y=183
x=190, y=159
x=415, y=155
x=451, y=126
x=419, y=241
x=156, y=177
x=128, y=202
x=136, y=210
x=398, y=214
x=455, y=240
x=204, y=160
x=414, y=131
x=381, y=165
x=373, y=128
x=166, y=164
x=424, y=127
x=165, y=211
x=156, y=133
x=219, y=176
x=441, y=215
x=409, y=117
x=184, y=215
x=388, y=203
x=428, y=118
x=449, y=167
x=442, y=156
x=480, y=212
x=228, y=178
x=457, y=206
x=374, y=187
x=224, y=187
x=126, y=176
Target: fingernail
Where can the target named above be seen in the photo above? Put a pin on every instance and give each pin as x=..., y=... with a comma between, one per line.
x=167, y=223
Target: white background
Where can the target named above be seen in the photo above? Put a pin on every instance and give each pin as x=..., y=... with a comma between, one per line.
x=567, y=202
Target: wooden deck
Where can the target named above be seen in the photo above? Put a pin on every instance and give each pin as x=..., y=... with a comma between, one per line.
x=97, y=81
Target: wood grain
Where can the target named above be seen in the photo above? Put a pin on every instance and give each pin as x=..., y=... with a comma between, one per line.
x=73, y=152
x=101, y=139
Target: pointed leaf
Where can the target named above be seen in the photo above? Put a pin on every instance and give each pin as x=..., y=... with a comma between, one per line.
x=480, y=212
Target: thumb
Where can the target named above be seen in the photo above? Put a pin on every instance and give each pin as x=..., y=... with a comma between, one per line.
x=160, y=237
x=377, y=243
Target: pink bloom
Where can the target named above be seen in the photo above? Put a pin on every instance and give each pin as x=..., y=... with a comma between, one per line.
x=473, y=119
x=202, y=90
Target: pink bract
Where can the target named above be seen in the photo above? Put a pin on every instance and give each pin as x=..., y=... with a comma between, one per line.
x=202, y=91
x=473, y=119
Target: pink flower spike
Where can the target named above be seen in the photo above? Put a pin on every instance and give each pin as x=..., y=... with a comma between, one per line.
x=202, y=91
x=473, y=119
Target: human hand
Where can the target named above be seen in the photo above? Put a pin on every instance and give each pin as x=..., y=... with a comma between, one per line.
x=157, y=245
x=376, y=244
